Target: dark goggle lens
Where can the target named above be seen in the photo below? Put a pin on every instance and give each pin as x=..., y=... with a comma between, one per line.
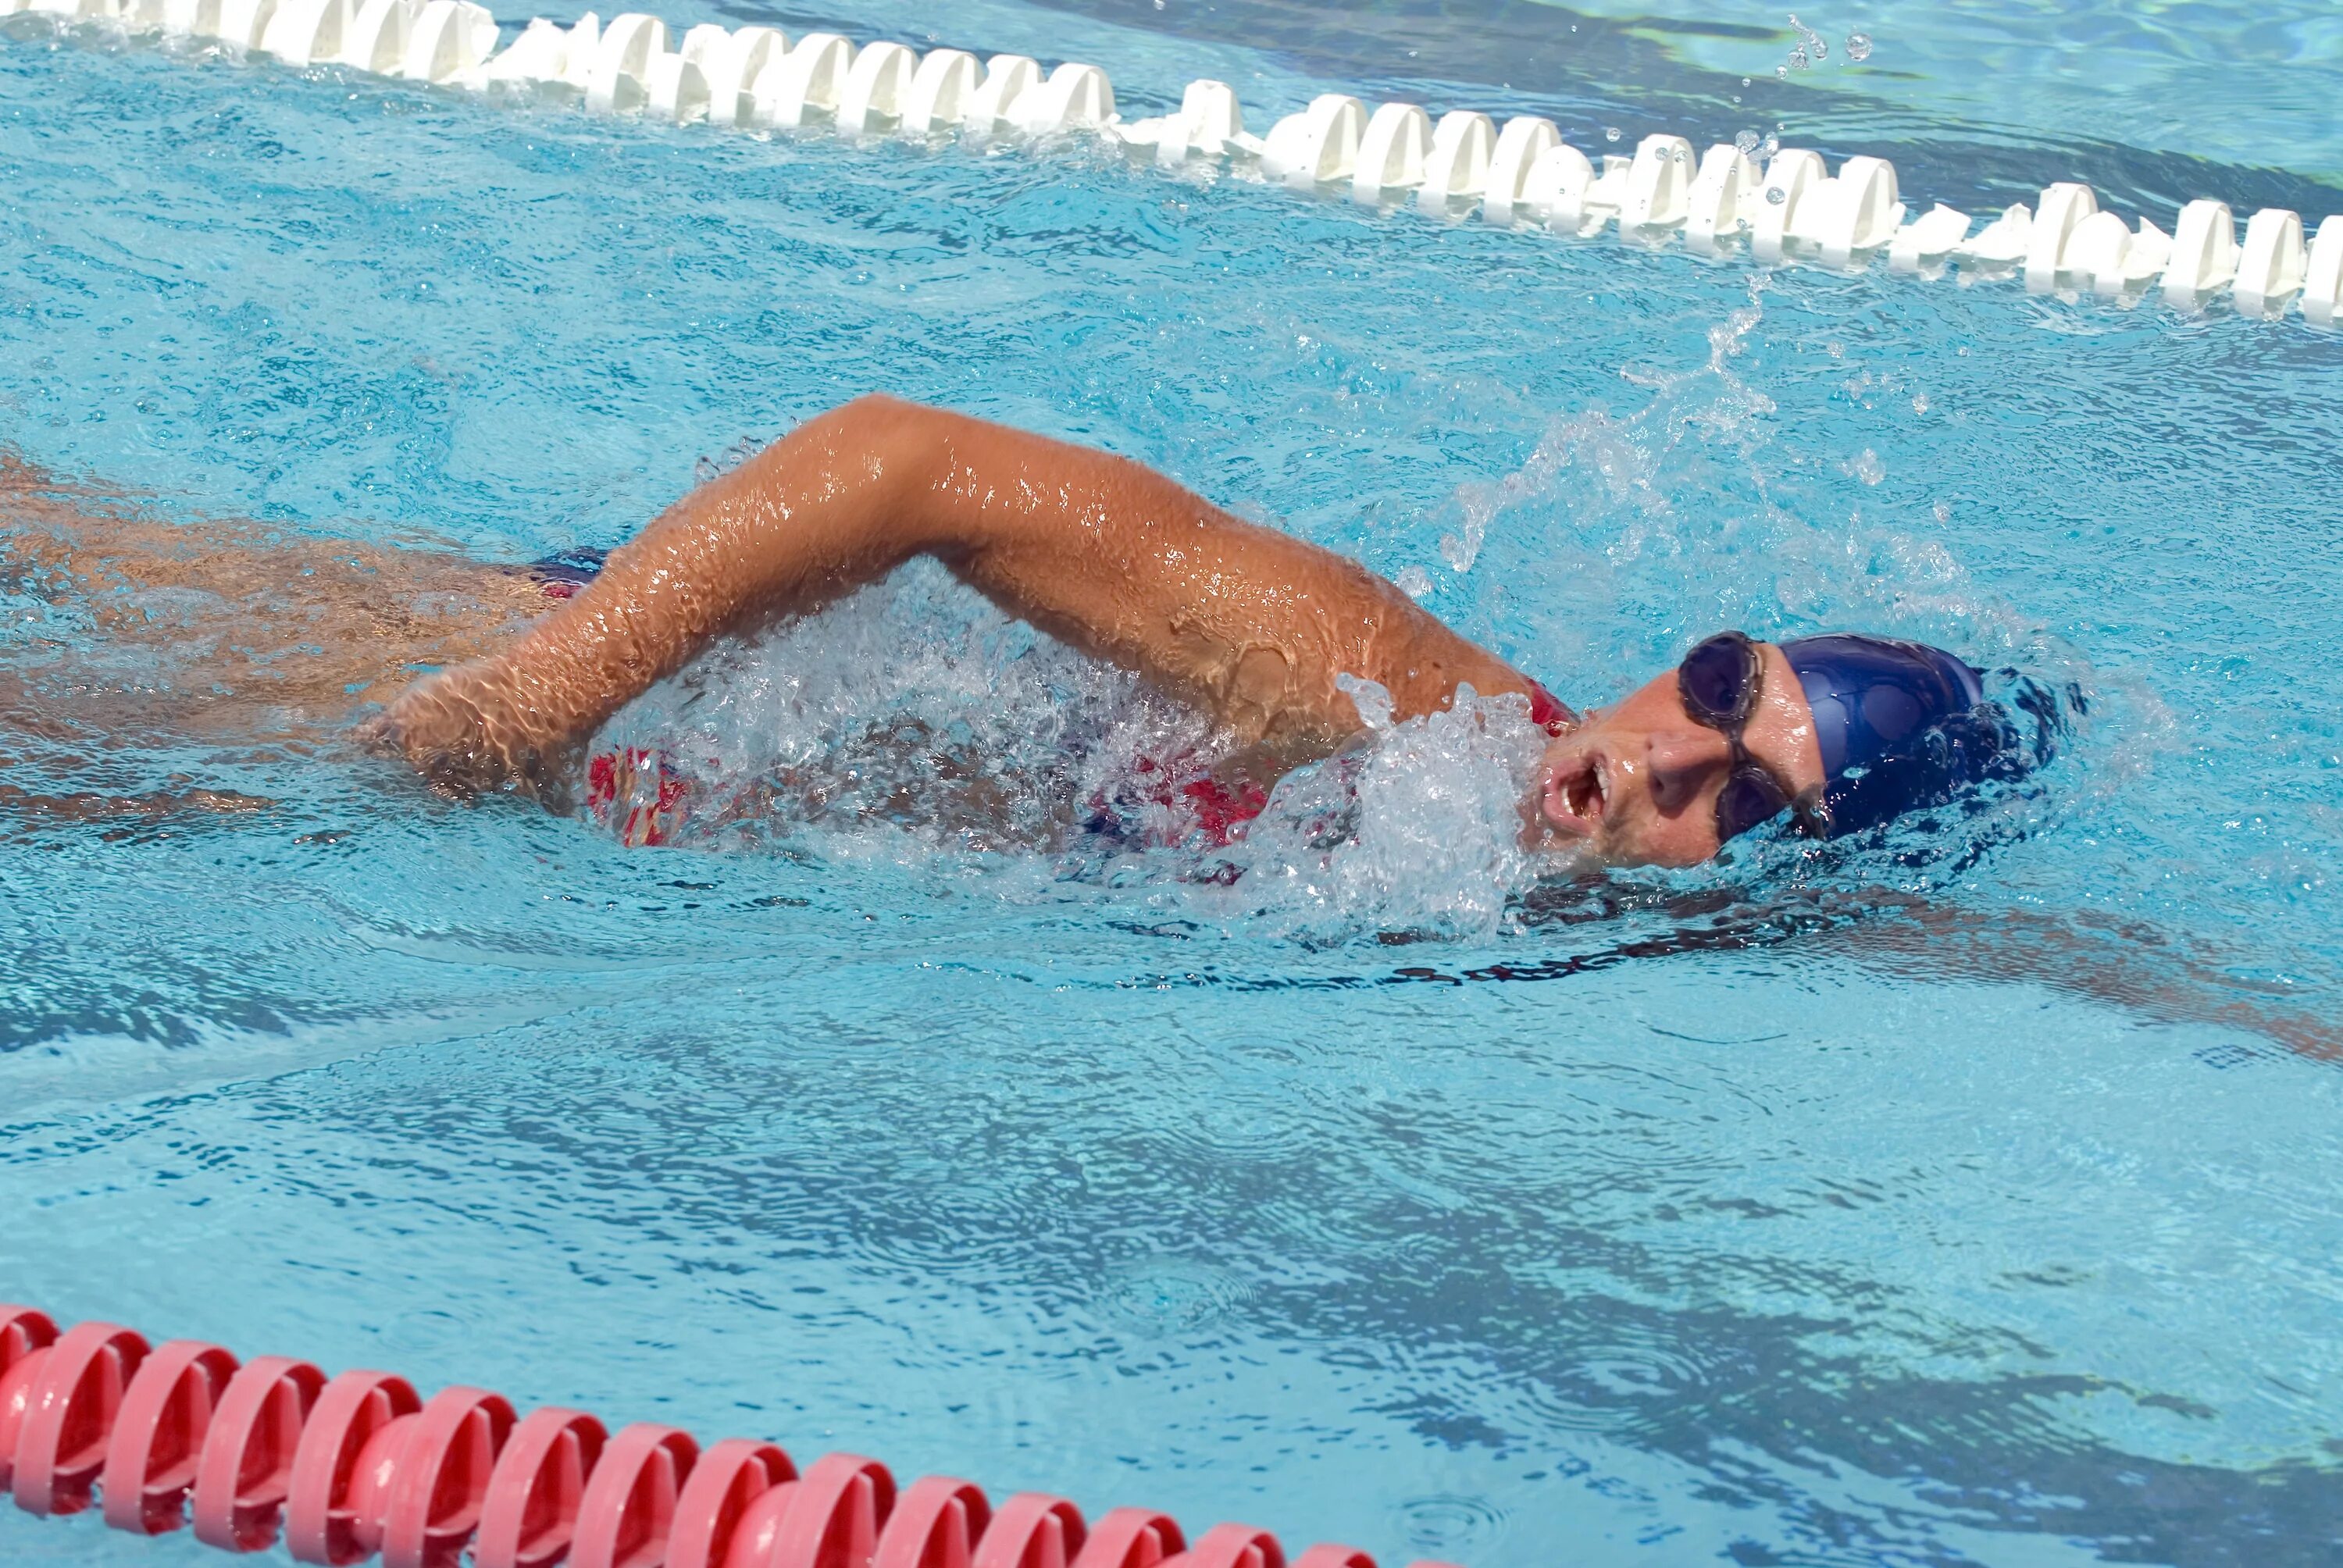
x=1749, y=797
x=1714, y=680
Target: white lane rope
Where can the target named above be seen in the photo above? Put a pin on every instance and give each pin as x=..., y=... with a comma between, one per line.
x=1772, y=203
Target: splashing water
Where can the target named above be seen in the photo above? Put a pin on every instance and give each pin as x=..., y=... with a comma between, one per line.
x=1415, y=831
x=914, y=722
x=912, y=718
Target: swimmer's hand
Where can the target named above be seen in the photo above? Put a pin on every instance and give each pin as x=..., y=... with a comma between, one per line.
x=459, y=730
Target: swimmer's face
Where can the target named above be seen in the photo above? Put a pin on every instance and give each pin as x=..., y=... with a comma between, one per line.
x=1637, y=784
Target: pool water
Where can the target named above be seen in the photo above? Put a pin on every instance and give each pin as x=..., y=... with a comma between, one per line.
x=1962, y=1196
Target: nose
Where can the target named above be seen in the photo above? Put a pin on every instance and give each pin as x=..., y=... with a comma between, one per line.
x=1684, y=764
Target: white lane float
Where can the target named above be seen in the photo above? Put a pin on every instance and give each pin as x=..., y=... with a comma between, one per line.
x=1788, y=207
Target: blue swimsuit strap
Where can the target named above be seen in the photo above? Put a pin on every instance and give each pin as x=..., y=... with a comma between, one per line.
x=579, y=564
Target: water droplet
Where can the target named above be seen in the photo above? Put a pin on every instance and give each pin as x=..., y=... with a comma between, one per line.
x=1449, y=1524
x=1167, y=1297
x=1776, y=196
x=1858, y=46
x=1609, y=133
x=1746, y=140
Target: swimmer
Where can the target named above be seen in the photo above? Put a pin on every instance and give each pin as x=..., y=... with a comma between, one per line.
x=1247, y=624
x=1251, y=625
x=268, y=640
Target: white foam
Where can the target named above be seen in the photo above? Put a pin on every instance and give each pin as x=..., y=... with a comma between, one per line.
x=1416, y=829
x=913, y=722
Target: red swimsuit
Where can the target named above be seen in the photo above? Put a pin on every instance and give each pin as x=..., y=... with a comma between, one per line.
x=1221, y=808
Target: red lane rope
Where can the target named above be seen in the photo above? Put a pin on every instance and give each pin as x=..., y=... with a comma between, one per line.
x=360, y=1465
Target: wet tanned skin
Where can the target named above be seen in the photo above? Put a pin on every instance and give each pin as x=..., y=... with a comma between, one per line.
x=1248, y=624
x=268, y=635
x=233, y=630
x=1638, y=782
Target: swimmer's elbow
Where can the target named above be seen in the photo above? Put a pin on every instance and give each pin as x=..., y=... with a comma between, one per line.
x=886, y=425
x=877, y=408
x=889, y=441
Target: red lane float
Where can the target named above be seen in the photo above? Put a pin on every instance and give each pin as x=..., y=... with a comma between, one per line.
x=530, y=1514
x=158, y=1442
x=73, y=1393
x=247, y=1468
x=362, y=1466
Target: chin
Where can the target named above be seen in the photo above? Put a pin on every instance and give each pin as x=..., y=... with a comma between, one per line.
x=1620, y=849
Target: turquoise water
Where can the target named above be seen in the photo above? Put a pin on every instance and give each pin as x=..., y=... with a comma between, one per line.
x=1967, y=1197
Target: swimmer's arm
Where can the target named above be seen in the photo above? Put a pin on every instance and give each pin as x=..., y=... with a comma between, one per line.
x=2130, y=965
x=1249, y=623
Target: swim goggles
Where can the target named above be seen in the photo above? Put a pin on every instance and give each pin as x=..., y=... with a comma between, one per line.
x=1719, y=681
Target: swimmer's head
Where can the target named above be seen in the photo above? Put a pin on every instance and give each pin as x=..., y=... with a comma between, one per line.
x=1842, y=732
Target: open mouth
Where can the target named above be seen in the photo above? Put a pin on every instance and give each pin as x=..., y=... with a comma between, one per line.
x=1576, y=794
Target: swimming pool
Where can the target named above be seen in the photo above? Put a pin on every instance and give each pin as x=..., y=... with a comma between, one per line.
x=1921, y=1205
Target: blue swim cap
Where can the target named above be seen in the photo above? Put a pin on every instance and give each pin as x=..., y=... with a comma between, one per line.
x=1902, y=726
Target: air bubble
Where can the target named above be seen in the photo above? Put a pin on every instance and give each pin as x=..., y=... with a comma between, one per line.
x=1811, y=48
x=1776, y=194
x=1858, y=46
x=1611, y=133
x=1746, y=140
x=1770, y=146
